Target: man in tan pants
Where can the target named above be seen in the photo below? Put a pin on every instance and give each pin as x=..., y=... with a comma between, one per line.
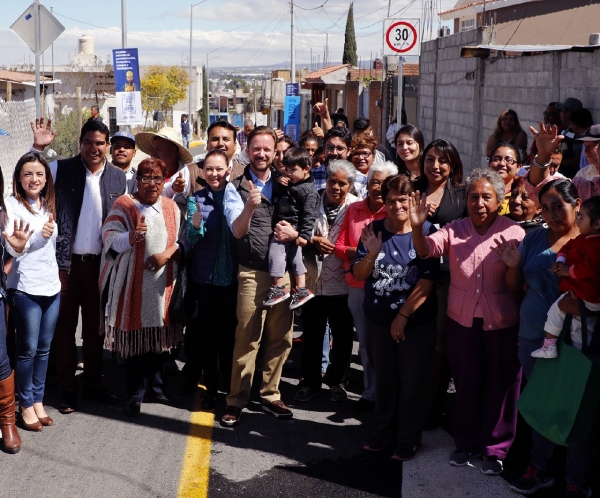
x=249, y=209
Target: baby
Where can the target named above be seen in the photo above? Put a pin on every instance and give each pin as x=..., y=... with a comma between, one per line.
x=298, y=207
x=578, y=262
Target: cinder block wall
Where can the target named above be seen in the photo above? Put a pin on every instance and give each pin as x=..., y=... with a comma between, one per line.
x=464, y=109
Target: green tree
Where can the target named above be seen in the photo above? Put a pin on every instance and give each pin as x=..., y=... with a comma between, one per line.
x=204, y=111
x=162, y=88
x=350, y=56
x=66, y=143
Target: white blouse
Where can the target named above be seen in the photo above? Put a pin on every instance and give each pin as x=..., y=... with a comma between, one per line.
x=35, y=270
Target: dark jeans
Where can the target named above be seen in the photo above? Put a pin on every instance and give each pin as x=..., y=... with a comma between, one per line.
x=315, y=314
x=143, y=372
x=79, y=288
x=35, y=319
x=487, y=376
x=402, y=376
x=217, y=322
x=5, y=370
x=580, y=456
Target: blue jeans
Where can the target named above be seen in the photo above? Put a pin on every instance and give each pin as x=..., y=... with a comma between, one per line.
x=35, y=320
x=5, y=370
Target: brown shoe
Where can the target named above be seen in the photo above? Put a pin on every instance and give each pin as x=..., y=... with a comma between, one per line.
x=278, y=409
x=35, y=427
x=10, y=435
x=232, y=416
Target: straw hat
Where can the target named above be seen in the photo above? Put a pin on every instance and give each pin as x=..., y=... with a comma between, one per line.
x=144, y=142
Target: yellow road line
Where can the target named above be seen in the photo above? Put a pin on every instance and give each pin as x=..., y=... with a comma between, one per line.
x=193, y=482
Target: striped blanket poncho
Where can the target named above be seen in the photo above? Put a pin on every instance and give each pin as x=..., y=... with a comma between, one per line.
x=137, y=300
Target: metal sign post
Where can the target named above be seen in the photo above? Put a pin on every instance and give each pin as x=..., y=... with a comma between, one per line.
x=38, y=29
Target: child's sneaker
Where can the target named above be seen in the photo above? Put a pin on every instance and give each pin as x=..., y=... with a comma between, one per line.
x=276, y=295
x=300, y=295
x=549, y=351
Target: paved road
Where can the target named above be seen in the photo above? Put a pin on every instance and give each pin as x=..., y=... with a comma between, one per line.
x=99, y=452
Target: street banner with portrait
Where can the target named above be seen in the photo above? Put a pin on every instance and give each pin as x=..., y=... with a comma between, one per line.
x=127, y=86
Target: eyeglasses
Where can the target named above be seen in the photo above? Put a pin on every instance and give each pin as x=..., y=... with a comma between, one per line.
x=508, y=160
x=362, y=153
x=157, y=180
x=332, y=148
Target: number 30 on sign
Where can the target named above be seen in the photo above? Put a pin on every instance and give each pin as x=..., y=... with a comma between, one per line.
x=401, y=37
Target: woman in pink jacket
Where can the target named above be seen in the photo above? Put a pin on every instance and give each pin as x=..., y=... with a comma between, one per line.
x=483, y=320
x=359, y=215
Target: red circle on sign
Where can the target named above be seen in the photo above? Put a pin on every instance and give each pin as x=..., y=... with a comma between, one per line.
x=409, y=26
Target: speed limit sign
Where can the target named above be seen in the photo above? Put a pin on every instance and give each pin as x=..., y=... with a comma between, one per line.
x=401, y=37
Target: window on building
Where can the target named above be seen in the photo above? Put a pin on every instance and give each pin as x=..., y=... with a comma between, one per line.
x=112, y=120
x=467, y=24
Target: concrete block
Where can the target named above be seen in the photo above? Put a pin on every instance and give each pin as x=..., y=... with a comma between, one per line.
x=538, y=62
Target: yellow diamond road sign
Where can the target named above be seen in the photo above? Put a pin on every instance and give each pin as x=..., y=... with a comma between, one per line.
x=50, y=28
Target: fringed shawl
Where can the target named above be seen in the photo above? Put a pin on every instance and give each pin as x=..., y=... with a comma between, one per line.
x=137, y=301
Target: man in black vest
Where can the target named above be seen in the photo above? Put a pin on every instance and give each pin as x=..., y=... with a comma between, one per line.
x=86, y=187
x=250, y=210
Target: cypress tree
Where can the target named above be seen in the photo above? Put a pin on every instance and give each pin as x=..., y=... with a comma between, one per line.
x=350, y=56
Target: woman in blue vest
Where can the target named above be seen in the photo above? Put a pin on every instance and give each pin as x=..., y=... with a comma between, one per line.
x=213, y=271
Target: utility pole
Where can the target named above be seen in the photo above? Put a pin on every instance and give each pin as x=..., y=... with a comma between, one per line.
x=123, y=23
x=38, y=35
x=292, y=42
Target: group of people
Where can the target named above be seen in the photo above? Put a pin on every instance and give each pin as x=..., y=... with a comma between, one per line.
x=439, y=275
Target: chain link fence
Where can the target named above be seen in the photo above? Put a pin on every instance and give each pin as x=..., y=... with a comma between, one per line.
x=14, y=120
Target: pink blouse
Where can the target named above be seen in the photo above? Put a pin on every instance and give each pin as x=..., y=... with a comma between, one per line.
x=358, y=216
x=477, y=273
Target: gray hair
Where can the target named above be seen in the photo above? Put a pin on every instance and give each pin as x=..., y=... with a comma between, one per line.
x=248, y=122
x=345, y=167
x=490, y=176
x=388, y=168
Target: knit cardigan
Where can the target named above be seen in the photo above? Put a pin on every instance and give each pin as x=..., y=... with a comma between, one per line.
x=137, y=300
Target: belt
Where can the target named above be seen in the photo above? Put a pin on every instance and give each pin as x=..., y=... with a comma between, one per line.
x=85, y=257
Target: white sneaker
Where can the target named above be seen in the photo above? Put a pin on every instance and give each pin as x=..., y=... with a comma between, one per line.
x=550, y=351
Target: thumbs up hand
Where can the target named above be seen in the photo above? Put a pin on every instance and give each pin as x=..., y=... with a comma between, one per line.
x=318, y=131
x=139, y=233
x=197, y=216
x=254, y=197
x=179, y=183
x=48, y=228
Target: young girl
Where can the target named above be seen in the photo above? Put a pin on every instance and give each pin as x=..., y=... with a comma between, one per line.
x=33, y=284
x=578, y=262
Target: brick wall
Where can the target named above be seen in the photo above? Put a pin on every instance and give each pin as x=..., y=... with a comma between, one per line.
x=352, y=100
x=375, y=90
x=465, y=111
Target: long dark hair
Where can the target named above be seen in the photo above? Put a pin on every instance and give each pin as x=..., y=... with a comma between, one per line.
x=564, y=188
x=449, y=152
x=3, y=215
x=414, y=133
x=47, y=192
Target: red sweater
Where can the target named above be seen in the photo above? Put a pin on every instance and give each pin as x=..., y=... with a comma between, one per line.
x=582, y=254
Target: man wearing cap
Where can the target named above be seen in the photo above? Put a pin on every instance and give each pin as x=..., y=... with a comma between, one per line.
x=591, y=142
x=122, y=152
x=166, y=145
x=221, y=135
x=86, y=187
x=571, y=156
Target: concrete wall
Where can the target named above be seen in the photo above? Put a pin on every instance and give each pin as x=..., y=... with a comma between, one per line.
x=460, y=98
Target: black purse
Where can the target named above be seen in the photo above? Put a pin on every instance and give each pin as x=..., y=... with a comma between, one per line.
x=183, y=307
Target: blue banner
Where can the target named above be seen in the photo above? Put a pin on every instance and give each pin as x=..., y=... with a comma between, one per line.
x=127, y=85
x=292, y=89
x=291, y=117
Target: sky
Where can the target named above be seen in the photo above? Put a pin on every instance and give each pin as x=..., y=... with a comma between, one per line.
x=238, y=33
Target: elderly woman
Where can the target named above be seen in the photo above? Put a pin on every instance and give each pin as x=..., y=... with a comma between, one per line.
x=363, y=149
x=508, y=130
x=330, y=288
x=359, y=215
x=506, y=160
x=137, y=277
x=522, y=208
x=33, y=284
x=483, y=319
x=213, y=274
x=400, y=310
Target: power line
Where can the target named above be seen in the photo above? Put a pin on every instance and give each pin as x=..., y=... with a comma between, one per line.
x=314, y=8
